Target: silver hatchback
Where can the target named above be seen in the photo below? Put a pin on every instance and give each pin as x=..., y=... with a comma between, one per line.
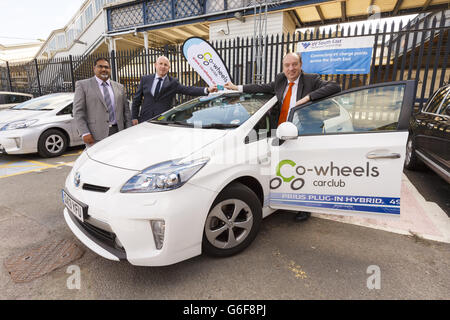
x=44, y=125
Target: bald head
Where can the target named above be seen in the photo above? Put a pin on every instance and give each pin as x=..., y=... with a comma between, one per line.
x=162, y=66
x=292, y=66
x=295, y=55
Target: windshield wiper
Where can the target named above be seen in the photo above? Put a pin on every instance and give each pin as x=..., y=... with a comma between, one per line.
x=166, y=122
x=220, y=126
x=206, y=126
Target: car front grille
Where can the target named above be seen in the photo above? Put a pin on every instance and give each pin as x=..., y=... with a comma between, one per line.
x=104, y=238
x=91, y=187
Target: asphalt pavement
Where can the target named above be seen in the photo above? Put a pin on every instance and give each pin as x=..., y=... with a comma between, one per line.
x=317, y=259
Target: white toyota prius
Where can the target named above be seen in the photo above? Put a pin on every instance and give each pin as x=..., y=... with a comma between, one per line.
x=200, y=177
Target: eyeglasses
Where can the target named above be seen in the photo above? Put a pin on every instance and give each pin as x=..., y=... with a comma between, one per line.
x=102, y=67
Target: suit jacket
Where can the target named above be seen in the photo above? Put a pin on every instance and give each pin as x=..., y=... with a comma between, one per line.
x=308, y=83
x=151, y=107
x=91, y=112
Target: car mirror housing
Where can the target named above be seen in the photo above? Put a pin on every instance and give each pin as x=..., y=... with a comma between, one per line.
x=287, y=131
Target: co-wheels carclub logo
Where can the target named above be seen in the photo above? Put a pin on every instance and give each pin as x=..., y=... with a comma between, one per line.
x=208, y=61
x=324, y=175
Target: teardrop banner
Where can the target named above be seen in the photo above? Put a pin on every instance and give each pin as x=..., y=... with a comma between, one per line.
x=205, y=60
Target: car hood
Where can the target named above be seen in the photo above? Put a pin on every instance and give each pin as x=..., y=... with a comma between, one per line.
x=147, y=144
x=10, y=115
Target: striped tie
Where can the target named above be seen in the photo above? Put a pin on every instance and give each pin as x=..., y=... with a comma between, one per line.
x=112, y=116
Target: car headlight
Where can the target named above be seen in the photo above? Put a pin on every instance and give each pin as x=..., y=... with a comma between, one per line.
x=163, y=176
x=18, y=124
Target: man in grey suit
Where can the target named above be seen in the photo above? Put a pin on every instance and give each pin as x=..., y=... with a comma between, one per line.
x=158, y=91
x=292, y=87
x=100, y=105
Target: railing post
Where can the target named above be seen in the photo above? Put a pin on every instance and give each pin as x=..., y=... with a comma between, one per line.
x=113, y=65
x=37, y=76
x=9, y=76
x=166, y=50
x=144, y=12
x=71, y=72
x=174, y=14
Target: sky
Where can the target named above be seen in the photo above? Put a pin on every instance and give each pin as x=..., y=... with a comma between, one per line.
x=23, y=21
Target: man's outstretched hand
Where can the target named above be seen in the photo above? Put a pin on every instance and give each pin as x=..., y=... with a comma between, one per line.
x=212, y=89
x=230, y=86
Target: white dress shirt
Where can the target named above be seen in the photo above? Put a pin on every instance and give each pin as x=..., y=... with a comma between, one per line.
x=155, y=82
x=110, y=90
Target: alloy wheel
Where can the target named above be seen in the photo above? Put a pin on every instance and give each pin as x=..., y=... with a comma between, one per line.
x=54, y=143
x=229, y=223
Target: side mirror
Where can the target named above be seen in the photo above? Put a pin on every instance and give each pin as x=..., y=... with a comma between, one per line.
x=287, y=131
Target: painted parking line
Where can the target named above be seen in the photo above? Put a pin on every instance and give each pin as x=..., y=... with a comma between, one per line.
x=73, y=154
x=14, y=168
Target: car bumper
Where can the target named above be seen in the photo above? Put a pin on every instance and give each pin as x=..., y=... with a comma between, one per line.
x=18, y=141
x=118, y=225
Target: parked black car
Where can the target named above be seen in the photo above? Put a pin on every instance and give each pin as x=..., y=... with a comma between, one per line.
x=429, y=136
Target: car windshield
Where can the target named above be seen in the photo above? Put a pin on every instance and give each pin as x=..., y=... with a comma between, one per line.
x=44, y=103
x=224, y=111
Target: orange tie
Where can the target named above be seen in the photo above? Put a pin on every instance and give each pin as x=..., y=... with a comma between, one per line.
x=285, y=107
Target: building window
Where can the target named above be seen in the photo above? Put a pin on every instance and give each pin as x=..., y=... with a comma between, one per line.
x=79, y=25
x=70, y=36
x=88, y=14
x=99, y=5
x=52, y=45
x=61, y=41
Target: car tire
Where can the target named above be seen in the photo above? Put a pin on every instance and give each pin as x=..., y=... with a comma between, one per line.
x=52, y=143
x=233, y=221
x=412, y=162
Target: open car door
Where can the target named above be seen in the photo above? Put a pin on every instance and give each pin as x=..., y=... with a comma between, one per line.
x=348, y=156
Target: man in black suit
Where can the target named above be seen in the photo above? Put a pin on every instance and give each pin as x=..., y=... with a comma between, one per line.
x=158, y=91
x=292, y=87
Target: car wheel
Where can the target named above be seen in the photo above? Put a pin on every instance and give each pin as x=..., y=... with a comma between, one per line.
x=233, y=221
x=52, y=143
x=411, y=160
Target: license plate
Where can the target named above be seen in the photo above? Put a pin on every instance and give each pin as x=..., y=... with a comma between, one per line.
x=74, y=207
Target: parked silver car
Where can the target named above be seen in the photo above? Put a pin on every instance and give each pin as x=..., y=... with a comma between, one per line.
x=44, y=125
x=11, y=99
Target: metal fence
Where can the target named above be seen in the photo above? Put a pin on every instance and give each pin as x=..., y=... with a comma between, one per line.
x=418, y=51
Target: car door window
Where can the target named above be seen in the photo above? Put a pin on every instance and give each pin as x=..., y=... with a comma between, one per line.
x=263, y=129
x=435, y=102
x=445, y=108
x=364, y=110
x=66, y=110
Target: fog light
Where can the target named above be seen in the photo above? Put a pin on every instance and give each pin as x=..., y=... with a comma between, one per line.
x=158, y=228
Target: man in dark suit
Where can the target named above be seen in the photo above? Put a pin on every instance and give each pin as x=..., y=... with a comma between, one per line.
x=158, y=91
x=292, y=87
x=100, y=105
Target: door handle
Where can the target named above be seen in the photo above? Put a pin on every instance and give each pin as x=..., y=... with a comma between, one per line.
x=374, y=155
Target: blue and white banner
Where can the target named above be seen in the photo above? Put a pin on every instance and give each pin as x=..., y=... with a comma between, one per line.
x=337, y=55
x=206, y=62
